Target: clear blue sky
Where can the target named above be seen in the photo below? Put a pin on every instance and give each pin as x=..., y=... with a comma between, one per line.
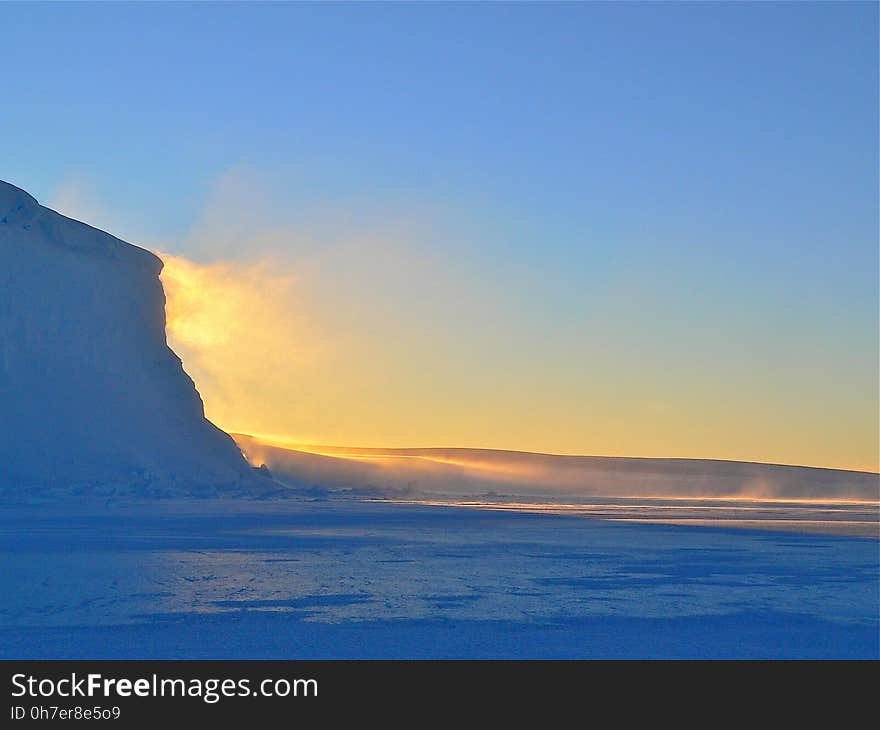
x=722, y=156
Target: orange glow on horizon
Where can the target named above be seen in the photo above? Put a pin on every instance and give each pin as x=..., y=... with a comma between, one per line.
x=320, y=355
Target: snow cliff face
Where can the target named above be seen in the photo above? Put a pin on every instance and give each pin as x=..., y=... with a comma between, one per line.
x=91, y=396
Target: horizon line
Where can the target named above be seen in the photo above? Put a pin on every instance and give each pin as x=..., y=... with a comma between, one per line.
x=285, y=443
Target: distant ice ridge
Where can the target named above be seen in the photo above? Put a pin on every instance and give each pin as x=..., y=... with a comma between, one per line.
x=481, y=473
x=92, y=399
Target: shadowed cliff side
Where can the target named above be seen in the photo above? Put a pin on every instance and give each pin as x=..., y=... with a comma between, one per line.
x=92, y=399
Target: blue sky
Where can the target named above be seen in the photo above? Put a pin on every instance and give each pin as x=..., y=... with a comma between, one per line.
x=718, y=159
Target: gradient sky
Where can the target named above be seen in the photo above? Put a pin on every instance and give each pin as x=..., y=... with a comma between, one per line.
x=576, y=228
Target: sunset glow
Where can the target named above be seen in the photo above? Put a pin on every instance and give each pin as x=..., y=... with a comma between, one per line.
x=442, y=331
x=311, y=360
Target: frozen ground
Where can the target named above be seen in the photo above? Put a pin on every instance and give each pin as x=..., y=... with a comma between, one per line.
x=337, y=578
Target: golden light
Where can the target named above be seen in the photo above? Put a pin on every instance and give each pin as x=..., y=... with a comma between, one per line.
x=240, y=335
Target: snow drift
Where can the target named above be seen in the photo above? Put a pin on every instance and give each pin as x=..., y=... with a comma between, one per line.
x=91, y=396
x=474, y=473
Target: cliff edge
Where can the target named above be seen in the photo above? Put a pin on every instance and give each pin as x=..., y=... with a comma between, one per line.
x=92, y=399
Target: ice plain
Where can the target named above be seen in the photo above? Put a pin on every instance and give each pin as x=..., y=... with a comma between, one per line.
x=338, y=577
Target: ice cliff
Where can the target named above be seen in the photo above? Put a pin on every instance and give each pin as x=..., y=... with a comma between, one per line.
x=92, y=399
